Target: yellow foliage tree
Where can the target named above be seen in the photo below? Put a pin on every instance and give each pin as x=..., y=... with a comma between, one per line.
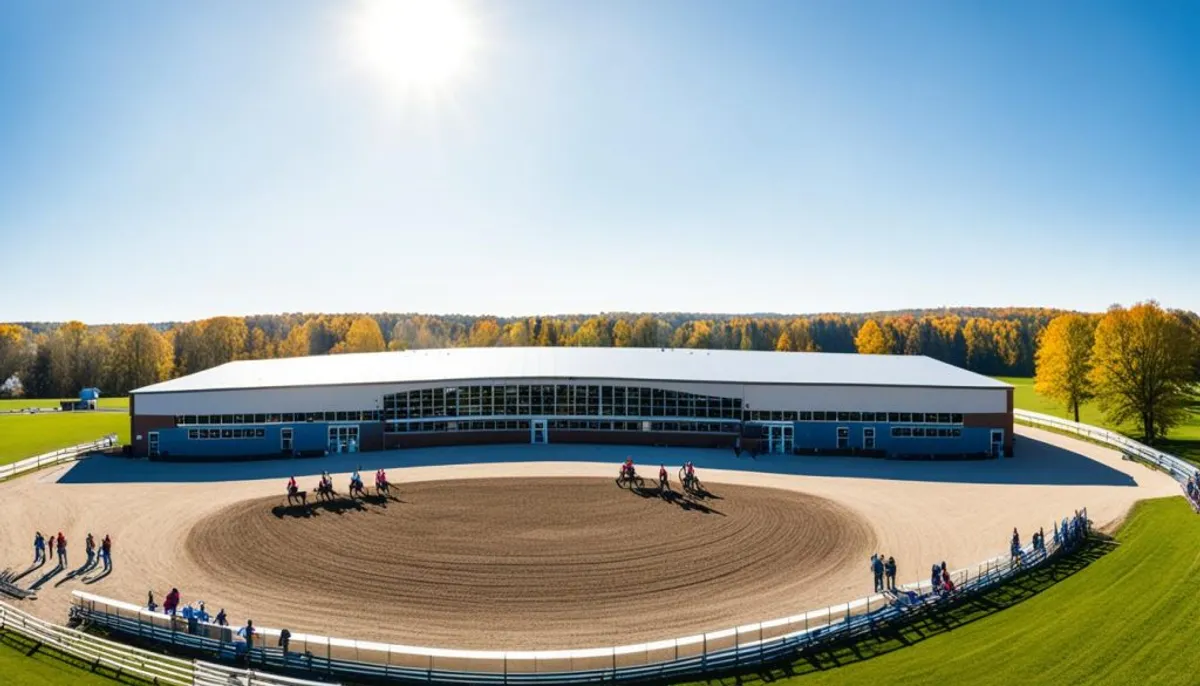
x=871, y=339
x=363, y=336
x=141, y=356
x=1142, y=368
x=1064, y=361
x=484, y=334
x=783, y=344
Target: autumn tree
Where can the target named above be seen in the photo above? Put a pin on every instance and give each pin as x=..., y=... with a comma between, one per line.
x=783, y=344
x=1142, y=368
x=363, y=336
x=16, y=347
x=871, y=339
x=1064, y=361
x=622, y=334
x=223, y=340
x=141, y=356
x=484, y=334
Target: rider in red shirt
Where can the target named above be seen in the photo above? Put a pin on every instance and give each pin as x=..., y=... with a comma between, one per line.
x=291, y=487
x=627, y=468
x=662, y=474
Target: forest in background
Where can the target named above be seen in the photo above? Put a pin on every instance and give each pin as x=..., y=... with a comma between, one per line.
x=46, y=360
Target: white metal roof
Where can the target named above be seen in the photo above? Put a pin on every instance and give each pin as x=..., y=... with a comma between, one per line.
x=641, y=364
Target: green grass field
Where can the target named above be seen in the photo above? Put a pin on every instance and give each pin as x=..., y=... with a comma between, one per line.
x=1128, y=617
x=22, y=403
x=26, y=435
x=22, y=665
x=1183, y=441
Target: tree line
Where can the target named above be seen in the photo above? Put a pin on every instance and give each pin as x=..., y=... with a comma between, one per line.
x=57, y=359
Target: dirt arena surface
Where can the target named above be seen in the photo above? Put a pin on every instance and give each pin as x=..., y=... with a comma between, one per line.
x=524, y=562
x=167, y=521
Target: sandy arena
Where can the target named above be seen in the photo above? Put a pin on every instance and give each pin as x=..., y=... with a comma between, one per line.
x=535, y=546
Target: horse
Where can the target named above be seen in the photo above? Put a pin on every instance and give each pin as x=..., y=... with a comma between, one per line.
x=383, y=487
x=325, y=490
x=356, y=487
x=295, y=494
x=629, y=477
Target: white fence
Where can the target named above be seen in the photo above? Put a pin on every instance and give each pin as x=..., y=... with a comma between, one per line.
x=143, y=664
x=1177, y=468
x=57, y=457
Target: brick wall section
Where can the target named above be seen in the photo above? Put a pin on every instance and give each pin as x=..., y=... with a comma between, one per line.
x=143, y=424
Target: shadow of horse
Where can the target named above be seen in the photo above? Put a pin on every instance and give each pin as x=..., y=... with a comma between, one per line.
x=315, y=508
x=676, y=498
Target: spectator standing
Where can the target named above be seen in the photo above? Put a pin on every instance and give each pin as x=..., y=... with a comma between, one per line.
x=39, y=548
x=106, y=552
x=171, y=604
x=54, y=541
x=877, y=571
x=247, y=632
x=285, y=638
x=150, y=604
x=889, y=568
x=935, y=576
x=202, y=614
x=222, y=620
x=90, y=545
x=62, y=550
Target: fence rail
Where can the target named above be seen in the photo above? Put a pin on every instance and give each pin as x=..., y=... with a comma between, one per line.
x=1178, y=469
x=146, y=665
x=71, y=454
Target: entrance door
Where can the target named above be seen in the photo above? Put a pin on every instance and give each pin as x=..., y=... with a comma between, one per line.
x=997, y=442
x=780, y=438
x=537, y=432
x=285, y=441
x=152, y=437
x=843, y=437
x=869, y=438
x=343, y=439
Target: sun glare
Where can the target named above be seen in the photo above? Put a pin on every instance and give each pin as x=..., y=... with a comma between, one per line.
x=413, y=44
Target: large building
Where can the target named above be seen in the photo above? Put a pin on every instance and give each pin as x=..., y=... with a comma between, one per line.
x=762, y=401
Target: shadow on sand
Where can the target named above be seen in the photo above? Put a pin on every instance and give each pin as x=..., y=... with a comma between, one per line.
x=1036, y=463
x=685, y=501
x=338, y=505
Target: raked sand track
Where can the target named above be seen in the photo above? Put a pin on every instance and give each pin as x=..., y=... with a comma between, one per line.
x=536, y=547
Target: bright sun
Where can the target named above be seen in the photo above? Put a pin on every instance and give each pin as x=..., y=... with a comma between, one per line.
x=412, y=44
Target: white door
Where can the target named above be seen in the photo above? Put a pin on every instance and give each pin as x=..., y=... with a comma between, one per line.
x=537, y=432
x=285, y=440
x=869, y=438
x=997, y=442
x=152, y=437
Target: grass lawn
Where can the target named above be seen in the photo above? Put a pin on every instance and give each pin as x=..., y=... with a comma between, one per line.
x=22, y=403
x=22, y=665
x=26, y=435
x=1128, y=617
x=1183, y=441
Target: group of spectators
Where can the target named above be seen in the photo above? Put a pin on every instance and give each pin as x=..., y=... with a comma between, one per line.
x=883, y=570
x=44, y=549
x=195, y=616
x=939, y=579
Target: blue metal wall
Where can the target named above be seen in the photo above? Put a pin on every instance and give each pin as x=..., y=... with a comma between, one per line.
x=305, y=437
x=810, y=435
x=823, y=436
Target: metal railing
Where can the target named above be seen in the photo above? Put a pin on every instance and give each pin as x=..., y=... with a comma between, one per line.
x=146, y=665
x=71, y=454
x=1180, y=470
x=726, y=650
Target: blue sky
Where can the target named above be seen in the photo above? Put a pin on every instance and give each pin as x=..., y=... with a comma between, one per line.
x=192, y=159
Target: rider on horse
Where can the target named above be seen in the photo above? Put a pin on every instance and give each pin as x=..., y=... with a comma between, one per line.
x=291, y=487
x=662, y=476
x=627, y=469
x=689, y=472
x=380, y=478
